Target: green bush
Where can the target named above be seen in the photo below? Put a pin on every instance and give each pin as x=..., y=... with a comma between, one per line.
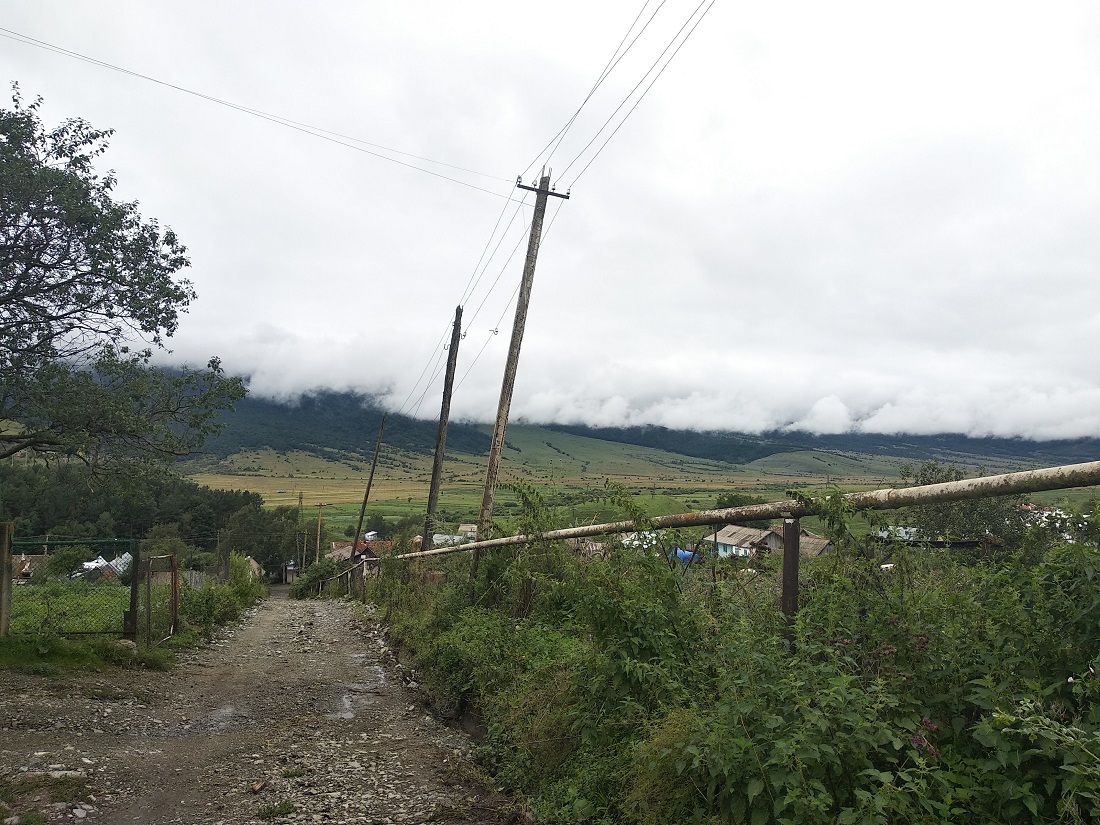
x=218, y=603
x=310, y=579
x=942, y=689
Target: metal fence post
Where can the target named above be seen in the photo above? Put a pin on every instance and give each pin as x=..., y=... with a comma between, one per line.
x=130, y=617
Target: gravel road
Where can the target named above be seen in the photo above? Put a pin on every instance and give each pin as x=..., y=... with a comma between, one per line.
x=299, y=714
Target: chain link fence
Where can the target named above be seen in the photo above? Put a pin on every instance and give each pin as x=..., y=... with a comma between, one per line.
x=69, y=607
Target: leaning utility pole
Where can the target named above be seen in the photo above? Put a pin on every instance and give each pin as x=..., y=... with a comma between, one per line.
x=542, y=193
x=317, y=549
x=441, y=435
x=366, y=493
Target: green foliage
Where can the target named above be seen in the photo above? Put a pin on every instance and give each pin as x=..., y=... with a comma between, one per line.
x=999, y=516
x=275, y=809
x=80, y=275
x=308, y=581
x=72, y=501
x=78, y=267
x=59, y=606
x=218, y=603
x=48, y=655
x=65, y=561
x=268, y=536
x=614, y=689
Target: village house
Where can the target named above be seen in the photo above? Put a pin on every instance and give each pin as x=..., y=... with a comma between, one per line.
x=736, y=540
x=341, y=551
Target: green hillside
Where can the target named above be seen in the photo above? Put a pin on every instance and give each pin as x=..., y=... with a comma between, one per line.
x=320, y=448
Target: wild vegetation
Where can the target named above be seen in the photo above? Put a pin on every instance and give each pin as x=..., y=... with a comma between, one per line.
x=944, y=687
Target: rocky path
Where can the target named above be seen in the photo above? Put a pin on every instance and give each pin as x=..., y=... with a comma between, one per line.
x=300, y=714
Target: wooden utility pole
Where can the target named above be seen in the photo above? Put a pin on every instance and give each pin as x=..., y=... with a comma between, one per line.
x=441, y=435
x=543, y=192
x=317, y=549
x=366, y=493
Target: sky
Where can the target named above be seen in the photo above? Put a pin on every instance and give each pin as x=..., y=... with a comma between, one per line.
x=850, y=216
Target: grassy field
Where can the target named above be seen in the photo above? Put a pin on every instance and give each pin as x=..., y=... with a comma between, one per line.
x=569, y=470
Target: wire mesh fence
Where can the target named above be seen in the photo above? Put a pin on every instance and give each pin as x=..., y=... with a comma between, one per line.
x=69, y=607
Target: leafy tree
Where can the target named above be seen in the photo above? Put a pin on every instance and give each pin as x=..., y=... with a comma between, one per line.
x=67, y=560
x=118, y=408
x=82, y=276
x=268, y=536
x=1000, y=516
x=726, y=500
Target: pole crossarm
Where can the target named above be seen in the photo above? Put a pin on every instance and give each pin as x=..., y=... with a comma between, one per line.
x=1005, y=484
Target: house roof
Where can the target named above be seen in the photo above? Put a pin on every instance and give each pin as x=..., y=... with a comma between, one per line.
x=739, y=536
x=341, y=550
x=809, y=544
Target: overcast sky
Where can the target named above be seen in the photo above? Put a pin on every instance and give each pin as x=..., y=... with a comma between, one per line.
x=873, y=216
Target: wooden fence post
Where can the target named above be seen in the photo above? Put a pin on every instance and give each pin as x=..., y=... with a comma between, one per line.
x=791, y=534
x=149, y=602
x=5, y=578
x=175, y=595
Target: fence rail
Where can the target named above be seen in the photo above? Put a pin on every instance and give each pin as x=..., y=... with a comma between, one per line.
x=1028, y=481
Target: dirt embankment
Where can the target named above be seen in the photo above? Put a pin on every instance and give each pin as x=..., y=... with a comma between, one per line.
x=301, y=714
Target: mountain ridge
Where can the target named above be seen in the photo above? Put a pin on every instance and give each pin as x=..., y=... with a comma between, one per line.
x=328, y=420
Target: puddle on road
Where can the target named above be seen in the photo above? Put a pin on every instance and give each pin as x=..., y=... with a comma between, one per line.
x=359, y=695
x=218, y=720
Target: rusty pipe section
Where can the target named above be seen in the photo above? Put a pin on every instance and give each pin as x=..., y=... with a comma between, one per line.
x=1005, y=484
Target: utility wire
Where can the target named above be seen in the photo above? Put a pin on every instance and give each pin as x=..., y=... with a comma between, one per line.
x=315, y=131
x=656, y=62
x=431, y=357
x=503, y=268
x=511, y=300
x=471, y=287
x=614, y=61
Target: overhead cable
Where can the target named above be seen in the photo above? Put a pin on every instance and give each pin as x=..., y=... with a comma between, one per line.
x=612, y=62
x=636, y=87
x=315, y=131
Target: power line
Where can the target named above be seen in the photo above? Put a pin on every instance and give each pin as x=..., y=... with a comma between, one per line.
x=504, y=266
x=315, y=131
x=612, y=62
x=472, y=284
x=656, y=62
x=504, y=312
x=425, y=370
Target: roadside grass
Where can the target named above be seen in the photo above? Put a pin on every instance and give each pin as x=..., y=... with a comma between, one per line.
x=54, y=655
x=275, y=809
x=23, y=795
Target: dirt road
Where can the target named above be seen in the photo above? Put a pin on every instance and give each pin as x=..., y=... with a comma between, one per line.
x=300, y=714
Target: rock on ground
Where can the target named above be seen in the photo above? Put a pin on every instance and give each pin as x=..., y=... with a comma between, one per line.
x=300, y=714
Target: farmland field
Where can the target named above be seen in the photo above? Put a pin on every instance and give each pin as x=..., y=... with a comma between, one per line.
x=569, y=470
